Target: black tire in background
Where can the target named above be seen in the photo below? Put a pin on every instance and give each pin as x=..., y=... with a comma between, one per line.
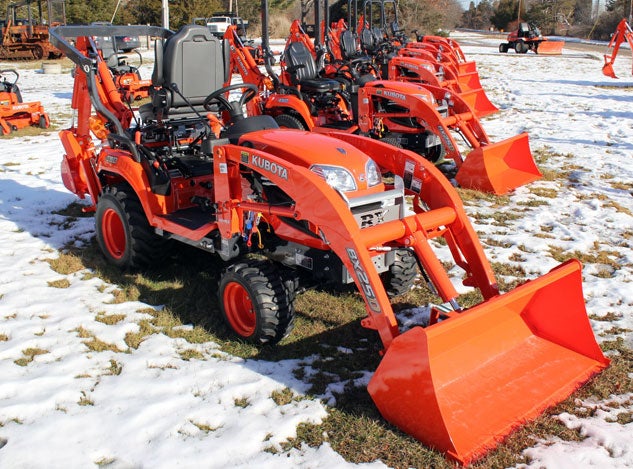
x=401, y=274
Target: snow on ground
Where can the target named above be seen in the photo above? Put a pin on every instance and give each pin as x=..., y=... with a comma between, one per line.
x=150, y=407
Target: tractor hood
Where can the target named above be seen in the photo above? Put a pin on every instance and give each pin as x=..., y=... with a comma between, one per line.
x=315, y=151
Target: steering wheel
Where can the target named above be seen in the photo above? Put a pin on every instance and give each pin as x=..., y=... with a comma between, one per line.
x=235, y=107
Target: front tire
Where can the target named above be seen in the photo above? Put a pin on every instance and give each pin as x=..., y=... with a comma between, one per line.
x=123, y=232
x=257, y=302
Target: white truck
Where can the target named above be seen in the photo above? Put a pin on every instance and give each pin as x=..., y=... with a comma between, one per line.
x=219, y=22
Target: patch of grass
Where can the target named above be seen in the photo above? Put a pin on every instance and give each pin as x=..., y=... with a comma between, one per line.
x=61, y=283
x=533, y=203
x=609, y=317
x=115, y=368
x=623, y=186
x=74, y=210
x=190, y=354
x=283, y=397
x=4, y=338
x=592, y=256
x=85, y=400
x=617, y=207
x=110, y=319
x=93, y=343
x=66, y=264
x=206, y=428
x=473, y=197
x=241, y=402
x=512, y=270
x=29, y=355
x=544, y=192
x=134, y=339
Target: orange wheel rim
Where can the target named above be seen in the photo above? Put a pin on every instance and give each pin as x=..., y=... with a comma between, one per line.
x=113, y=233
x=239, y=309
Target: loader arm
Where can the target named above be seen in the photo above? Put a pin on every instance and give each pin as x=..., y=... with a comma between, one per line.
x=622, y=33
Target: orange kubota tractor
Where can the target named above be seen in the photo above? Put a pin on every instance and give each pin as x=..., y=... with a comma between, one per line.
x=417, y=117
x=318, y=203
x=623, y=32
x=14, y=112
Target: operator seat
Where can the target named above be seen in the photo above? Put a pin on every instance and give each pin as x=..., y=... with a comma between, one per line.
x=189, y=66
x=303, y=70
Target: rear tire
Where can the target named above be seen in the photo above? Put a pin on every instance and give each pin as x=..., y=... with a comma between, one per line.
x=287, y=121
x=401, y=275
x=123, y=232
x=257, y=301
x=42, y=123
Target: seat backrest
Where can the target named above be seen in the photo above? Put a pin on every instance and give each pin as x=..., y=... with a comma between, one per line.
x=191, y=63
x=348, y=44
x=367, y=39
x=300, y=61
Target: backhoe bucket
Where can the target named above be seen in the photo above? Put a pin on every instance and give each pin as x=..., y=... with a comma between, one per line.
x=479, y=102
x=460, y=386
x=551, y=47
x=499, y=167
x=607, y=70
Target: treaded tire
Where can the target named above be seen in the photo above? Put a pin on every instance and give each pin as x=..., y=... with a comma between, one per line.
x=287, y=121
x=401, y=274
x=257, y=301
x=123, y=232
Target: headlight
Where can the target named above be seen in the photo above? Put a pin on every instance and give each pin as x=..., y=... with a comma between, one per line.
x=373, y=175
x=337, y=177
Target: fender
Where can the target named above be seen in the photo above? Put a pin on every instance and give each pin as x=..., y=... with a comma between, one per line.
x=280, y=103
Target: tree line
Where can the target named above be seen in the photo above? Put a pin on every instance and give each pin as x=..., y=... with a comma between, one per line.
x=576, y=18
x=563, y=17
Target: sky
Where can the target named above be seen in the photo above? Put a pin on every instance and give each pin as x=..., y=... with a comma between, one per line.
x=150, y=407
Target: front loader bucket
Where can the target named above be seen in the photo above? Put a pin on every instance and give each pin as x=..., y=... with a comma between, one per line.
x=479, y=102
x=460, y=386
x=499, y=167
x=551, y=47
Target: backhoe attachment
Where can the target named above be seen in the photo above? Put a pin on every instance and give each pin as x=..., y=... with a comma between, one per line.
x=622, y=33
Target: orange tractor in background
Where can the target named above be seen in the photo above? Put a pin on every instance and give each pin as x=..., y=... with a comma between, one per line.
x=14, y=112
x=622, y=33
x=332, y=205
x=527, y=37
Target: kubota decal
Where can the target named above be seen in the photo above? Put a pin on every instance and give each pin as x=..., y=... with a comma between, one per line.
x=368, y=291
x=394, y=95
x=269, y=166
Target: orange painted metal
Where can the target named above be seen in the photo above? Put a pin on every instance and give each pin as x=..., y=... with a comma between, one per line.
x=462, y=385
x=549, y=47
x=499, y=167
x=623, y=32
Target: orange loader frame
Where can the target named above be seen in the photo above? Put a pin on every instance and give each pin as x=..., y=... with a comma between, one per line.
x=461, y=384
